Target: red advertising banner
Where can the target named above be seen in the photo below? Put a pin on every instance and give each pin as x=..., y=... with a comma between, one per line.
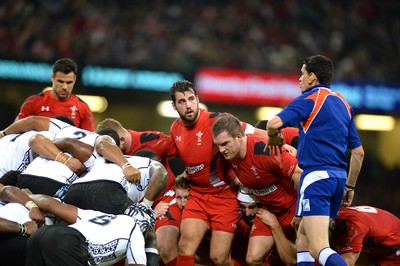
x=246, y=87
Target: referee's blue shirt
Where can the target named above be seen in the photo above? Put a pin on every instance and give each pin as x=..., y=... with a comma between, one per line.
x=326, y=128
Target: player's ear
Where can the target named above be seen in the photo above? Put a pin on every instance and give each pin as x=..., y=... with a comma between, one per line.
x=173, y=105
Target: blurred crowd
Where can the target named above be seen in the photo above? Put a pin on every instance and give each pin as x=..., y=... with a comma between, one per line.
x=360, y=36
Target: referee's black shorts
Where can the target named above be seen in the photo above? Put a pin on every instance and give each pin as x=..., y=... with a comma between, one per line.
x=101, y=195
x=57, y=245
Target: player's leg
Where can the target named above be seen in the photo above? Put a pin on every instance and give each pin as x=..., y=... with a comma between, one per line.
x=220, y=247
x=320, y=196
x=259, y=247
x=167, y=242
x=192, y=232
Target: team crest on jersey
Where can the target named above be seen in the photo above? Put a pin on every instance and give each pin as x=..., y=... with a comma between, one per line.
x=254, y=169
x=73, y=111
x=45, y=108
x=199, y=135
x=306, y=204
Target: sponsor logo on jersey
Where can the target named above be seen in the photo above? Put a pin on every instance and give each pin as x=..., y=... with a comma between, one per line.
x=178, y=138
x=194, y=169
x=45, y=108
x=265, y=191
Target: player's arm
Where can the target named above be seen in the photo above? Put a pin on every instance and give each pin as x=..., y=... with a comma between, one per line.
x=296, y=176
x=106, y=147
x=356, y=159
x=286, y=248
x=50, y=150
x=351, y=257
x=66, y=212
x=158, y=182
x=38, y=123
x=11, y=227
x=275, y=140
x=15, y=195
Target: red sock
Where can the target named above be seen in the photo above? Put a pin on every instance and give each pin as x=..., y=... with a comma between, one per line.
x=185, y=260
x=172, y=262
x=235, y=263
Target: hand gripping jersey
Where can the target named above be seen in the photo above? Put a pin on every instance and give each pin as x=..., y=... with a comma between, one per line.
x=111, y=237
x=44, y=104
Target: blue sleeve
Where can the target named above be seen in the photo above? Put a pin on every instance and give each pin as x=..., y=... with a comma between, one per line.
x=298, y=110
x=353, y=140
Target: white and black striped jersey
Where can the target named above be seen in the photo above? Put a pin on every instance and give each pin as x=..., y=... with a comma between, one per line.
x=104, y=170
x=111, y=237
x=57, y=171
x=15, y=153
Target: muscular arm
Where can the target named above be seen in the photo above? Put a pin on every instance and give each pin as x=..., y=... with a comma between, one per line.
x=38, y=123
x=65, y=212
x=11, y=227
x=356, y=159
x=105, y=146
x=54, y=151
x=351, y=257
x=158, y=181
x=14, y=194
x=296, y=176
x=286, y=248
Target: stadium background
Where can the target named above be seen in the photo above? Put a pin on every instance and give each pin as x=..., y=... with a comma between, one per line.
x=182, y=36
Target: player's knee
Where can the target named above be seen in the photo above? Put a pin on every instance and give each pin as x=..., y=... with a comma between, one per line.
x=167, y=251
x=251, y=259
x=220, y=259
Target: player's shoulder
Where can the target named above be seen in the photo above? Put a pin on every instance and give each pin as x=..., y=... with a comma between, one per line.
x=77, y=99
x=36, y=97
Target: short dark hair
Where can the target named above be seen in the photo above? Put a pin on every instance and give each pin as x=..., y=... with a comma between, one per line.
x=65, y=119
x=181, y=86
x=65, y=65
x=229, y=124
x=181, y=182
x=10, y=178
x=110, y=132
x=147, y=153
x=321, y=66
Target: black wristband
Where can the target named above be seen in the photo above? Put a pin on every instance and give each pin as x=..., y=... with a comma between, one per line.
x=3, y=132
x=349, y=187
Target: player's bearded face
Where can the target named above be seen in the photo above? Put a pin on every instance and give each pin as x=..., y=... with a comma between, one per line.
x=187, y=106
